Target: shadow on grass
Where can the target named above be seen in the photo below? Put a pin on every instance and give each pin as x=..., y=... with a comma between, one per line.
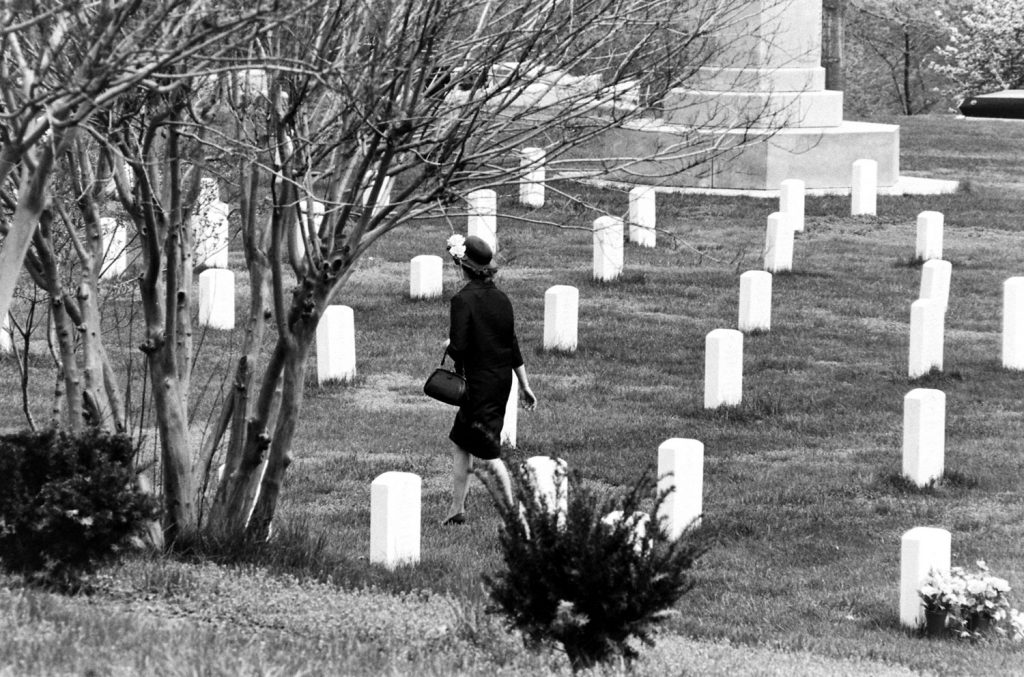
x=951, y=481
x=296, y=549
x=629, y=280
x=908, y=262
x=332, y=386
x=937, y=377
x=749, y=410
x=801, y=273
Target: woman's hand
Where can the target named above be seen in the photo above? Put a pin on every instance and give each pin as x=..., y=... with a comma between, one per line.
x=528, y=398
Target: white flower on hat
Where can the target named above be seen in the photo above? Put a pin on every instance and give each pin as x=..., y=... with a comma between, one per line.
x=457, y=246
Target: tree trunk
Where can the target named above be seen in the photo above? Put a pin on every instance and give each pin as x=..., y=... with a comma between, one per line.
x=279, y=458
x=832, y=35
x=31, y=202
x=908, y=104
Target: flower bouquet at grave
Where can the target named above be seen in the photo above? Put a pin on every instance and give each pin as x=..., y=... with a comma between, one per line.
x=939, y=592
x=984, y=603
x=973, y=601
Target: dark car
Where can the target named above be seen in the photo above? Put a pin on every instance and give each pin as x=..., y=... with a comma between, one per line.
x=1008, y=103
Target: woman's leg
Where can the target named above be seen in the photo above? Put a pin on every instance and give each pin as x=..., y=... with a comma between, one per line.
x=462, y=463
x=494, y=475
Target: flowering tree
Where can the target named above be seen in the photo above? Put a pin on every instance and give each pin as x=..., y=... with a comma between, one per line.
x=985, y=50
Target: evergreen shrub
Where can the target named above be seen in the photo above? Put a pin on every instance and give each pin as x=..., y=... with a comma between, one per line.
x=586, y=580
x=68, y=502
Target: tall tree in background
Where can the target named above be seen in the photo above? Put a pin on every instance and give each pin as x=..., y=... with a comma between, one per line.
x=893, y=45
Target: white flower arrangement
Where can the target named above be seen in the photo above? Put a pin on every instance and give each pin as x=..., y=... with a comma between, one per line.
x=964, y=594
x=456, y=246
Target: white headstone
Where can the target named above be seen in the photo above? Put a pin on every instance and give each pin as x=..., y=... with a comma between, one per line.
x=302, y=226
x=681, y=469
x=483, y=216
x=608, y=249
x=395, y=519
x=6, y=338
x=778, y=246
x=935, y=277
x=791, y=202
x=383, y=197
x=549, y=481
x=561, y=318
x=755, y=301
x=210, y=230
x=929, y=235
x=927, y=329
x=510, y=425
x=426, y=273
x=643, y=216
x=336, y=345
x=531, y=186
x=115, y=248
x=637, y=524
x=922, y=550
x=217, y=298
x=864, y=195
x=924, y=435
x=723, y=368
x=1013, y=323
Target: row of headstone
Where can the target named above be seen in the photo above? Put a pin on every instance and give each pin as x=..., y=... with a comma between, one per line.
x=928, y=312
x=924, y=435
x=922, y=550
x=864, y=188
x=723, y=368
x=396, y=501
x=217, y=298
x=6, y=335
x=755, y=308
x=608, y=248
x=336, y=345
x=534, y=174
x=1013, y=323
x=778, y=246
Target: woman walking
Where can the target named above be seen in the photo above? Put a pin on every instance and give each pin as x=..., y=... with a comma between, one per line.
x=483, y=344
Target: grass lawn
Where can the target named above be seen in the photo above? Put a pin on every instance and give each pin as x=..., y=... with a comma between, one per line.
x=801, y=482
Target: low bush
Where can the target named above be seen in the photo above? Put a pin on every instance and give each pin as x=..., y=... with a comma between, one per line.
x=593, y=576
x=67, y=503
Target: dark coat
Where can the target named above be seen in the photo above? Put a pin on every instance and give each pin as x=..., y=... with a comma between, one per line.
x=485, y=348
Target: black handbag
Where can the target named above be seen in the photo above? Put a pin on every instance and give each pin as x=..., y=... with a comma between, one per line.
x=445, y=385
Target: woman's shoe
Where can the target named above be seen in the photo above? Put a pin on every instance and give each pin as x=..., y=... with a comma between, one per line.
x=457, y=518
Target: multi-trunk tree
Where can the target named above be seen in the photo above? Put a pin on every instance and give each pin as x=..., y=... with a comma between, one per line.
x=381, y=112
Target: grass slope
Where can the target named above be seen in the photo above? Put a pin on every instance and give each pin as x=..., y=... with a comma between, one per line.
x=801, y=481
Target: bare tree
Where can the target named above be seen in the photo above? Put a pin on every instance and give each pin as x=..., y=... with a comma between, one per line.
x=385, y=113
x=61, y=61
x=435, y=99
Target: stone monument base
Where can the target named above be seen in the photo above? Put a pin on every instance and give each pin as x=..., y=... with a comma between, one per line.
x=651, y=152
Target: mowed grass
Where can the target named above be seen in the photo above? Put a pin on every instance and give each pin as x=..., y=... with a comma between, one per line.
x=801, y=480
